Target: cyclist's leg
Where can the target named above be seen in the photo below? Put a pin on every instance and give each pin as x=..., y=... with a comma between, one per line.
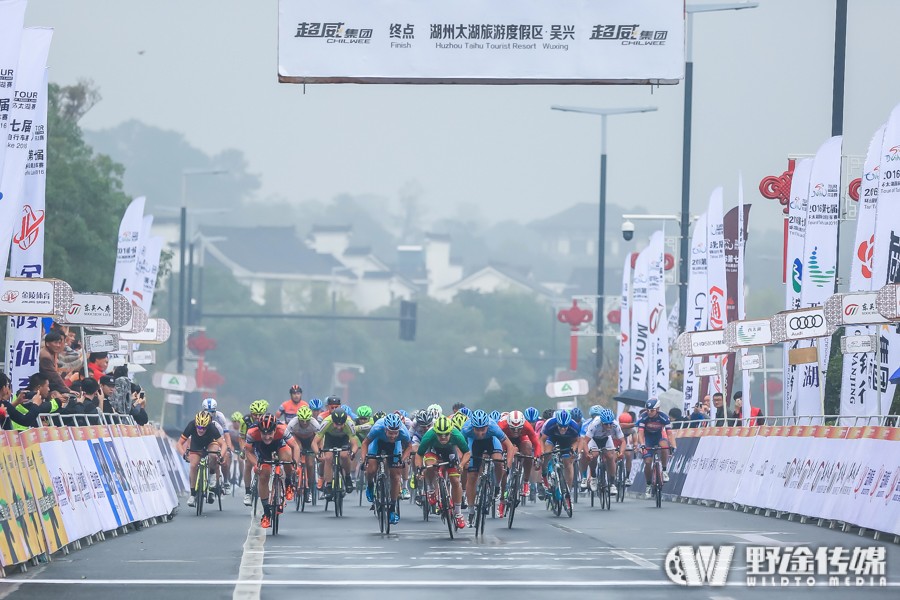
x=265, y=473
x=327, y=461
x=609, y=457
x=194, y=461
x=528, y=450
x=348, y=472
x=497, y=455
x=472, y=480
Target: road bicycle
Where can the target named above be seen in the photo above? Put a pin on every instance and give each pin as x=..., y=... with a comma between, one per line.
x=484, y=492
x=445, y=504
x=201, y=485
x=558, y=498
x=383, y=503
x=656, y=480
x=621, y=477
x=236, y=477
x=304, y=489
x=337, y=483
x=421, y=495
x=602, y=477
x=514, y=488
x=276, y=490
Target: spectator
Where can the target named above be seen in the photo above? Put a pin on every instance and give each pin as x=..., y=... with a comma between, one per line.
x=737, y=413
x=54, y=344
x=676, y=417
x=107, y=389
x=699, y=415
x=138, y=405
x=31, y=402
x=721, y=419
x=5, y=395
x=98, y=362
x=92, y=398
x=458, y=406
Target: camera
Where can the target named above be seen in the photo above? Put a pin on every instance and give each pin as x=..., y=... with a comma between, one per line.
x=628, y=230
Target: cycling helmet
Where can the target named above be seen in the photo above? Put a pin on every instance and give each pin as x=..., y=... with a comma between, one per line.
x=576, y=414
x=333, y=401
x=304, y=414
x=259, y=407
x=236, y=416
x=479, y=418
x=494, y=416
x=515, y=420
x=652, y=403
x=465, y=411
x=532, y=415
x=364, y=412
x=595, y=410
x=625, y=419
x=339, y=416
x=210, y=405
x=202, y=419
x=547, y=414
x=393, y=421
x=443, y=426
x=378, y=416
x=436, y=410
x=403, y=413
x=424, y=419
x=606, y=416
x=316, y=404
x=459, y=420
x=563, y=418
x=296, y=389
x=267, y=423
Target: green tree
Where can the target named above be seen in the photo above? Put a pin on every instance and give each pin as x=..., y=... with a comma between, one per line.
x=85, y=200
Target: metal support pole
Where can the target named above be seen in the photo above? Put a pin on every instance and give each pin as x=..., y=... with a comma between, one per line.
x=684, y=248
x=840, y=53
x=179, y=342
x=601, y=256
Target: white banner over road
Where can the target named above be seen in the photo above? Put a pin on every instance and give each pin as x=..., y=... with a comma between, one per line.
x=472, y=41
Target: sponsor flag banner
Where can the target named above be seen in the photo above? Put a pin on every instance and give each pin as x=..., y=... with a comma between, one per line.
x=21, y=125
x=470, y=41
x=12, y=20
x=886, y=258
x=15, y=545
x=794, y=261
x=715, y=280
x=819, y=264
x=25, y=504
x=625, y=328
x=146, y=272
x=734, y=227
x=641, y=360
x=128, y=246
x=658, y=319
x=697, y=309
x=746, y=409
x=27, y=256
x=859, y=375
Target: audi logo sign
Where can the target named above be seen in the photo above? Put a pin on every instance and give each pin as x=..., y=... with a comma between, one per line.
x=805, y=323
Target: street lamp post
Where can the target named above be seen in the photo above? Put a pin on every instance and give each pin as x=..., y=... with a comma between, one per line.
x=601, y=237
x=182, y=245
x=686, y=146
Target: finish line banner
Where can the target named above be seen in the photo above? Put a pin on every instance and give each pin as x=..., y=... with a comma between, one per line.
x=477, y=42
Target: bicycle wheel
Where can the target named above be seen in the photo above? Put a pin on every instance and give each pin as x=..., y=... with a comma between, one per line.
x=254, y=493
x=620, y=480
x=605, y=496
x=565, y=499
x=381, y=504
x=277, y=502
x=200, y=490
x=486, y=504
x=446, y=506
x=658, y=484
x=512, y=496
x=591, y=490
x=422, y=495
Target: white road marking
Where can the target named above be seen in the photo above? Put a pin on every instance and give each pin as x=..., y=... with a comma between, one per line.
x=642, y=562
x=250, y=575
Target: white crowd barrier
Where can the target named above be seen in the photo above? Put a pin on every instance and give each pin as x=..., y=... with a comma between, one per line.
x=61, y=484
x=845, y=474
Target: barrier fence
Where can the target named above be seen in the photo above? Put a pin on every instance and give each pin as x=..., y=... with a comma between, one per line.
x=847, y=475
x=62, y=484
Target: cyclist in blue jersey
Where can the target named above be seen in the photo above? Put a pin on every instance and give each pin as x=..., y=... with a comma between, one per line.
x=655, y=429
x=387, y=436
x=485, y=436
x=561, y=431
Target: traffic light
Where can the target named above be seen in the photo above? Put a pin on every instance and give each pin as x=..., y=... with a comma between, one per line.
x=407, y=321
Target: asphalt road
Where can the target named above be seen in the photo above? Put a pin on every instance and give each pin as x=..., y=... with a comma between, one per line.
x=225, y=555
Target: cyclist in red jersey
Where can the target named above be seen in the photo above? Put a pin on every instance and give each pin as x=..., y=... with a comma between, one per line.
x=522, y=435
x=265, y=438
x=289, y=408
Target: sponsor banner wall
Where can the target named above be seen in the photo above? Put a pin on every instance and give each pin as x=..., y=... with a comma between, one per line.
x=849, y=474
x=26, y=507
x=71, y=485
x=14, y=546
x=471, y=41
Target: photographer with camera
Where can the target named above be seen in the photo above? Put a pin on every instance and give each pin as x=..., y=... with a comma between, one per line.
x=29, y=403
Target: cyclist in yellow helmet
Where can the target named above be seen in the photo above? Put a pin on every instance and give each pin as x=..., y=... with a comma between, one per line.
x=204, y=436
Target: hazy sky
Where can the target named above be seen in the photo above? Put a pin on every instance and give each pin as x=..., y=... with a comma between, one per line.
x=207, y=69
